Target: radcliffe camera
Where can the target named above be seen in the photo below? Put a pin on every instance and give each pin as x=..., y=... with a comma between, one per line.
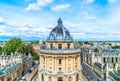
x=59, y=40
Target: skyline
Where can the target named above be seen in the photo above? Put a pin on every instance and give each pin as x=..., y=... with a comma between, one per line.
x=85, y=19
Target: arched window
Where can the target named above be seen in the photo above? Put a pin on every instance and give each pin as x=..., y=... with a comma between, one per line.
x=49, y=78
x=60, y=79
x=70, y=79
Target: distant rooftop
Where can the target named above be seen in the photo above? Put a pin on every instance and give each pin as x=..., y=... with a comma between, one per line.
x=115, y=75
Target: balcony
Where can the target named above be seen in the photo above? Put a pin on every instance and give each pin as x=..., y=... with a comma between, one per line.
x=68, y=51
x=50, y=73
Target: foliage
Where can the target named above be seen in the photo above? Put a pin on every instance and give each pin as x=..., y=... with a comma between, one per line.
x=28, y=48
x=118, y=71
x=89, y=43
x=34, y=42
x=43, y=42
x=16, y=45
x=116, y=47
x=12, y=45
x=0, y=50
x=109, y=44
x=36, y=57
x=96, y=50
x=80, y=43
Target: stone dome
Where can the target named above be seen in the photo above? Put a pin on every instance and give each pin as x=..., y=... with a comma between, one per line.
x=59, y=32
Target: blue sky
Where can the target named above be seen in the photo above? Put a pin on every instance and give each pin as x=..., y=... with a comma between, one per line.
x=85, y=19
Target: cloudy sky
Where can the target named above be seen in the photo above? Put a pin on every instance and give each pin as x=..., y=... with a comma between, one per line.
x=85, y=19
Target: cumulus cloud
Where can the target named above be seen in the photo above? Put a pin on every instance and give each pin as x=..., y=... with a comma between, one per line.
x=112, y=1
x=88, y=1
x=60, y=7
x=38, y=5
x=1, y=19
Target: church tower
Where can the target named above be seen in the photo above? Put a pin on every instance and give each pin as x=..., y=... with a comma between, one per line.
x=59, y=58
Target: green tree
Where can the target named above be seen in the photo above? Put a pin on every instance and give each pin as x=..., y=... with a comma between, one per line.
x=116, y=47
x=21, y=48
x=28, y=48
x=36, y=57
x=80, y=43
x=96, y=50
x=12, y=45
x=16, y=45
x=43, y=42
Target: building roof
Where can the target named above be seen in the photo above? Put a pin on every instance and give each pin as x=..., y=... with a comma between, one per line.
x=114, y=75
x=9, y=68
x=111, y=52
x=59, y=32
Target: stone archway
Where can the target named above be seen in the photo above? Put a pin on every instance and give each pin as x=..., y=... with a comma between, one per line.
x=60, y=79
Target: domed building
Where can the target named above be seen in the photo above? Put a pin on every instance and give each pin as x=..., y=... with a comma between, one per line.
x=59, y=58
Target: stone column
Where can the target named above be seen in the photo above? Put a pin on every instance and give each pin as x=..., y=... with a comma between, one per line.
x=39, y=76
x=45, y=63
x=74, y=62
x=66, y=64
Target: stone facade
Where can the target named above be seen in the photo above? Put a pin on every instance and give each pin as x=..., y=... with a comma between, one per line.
x=103, y=62
x=14, y=66
x=59, y=59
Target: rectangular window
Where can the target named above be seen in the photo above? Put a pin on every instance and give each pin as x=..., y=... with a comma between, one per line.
x=60, y=61
x=59, y=46
x=112, y=59
x=116, y=59
x=51, y=46
x=68, y=46
x=104, y=59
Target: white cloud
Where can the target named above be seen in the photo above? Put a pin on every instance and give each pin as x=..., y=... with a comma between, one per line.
x=88, y=16
x=1, y=19
x=88, y=1
x=60, y=7
x=112, y=1
x=38, y=5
